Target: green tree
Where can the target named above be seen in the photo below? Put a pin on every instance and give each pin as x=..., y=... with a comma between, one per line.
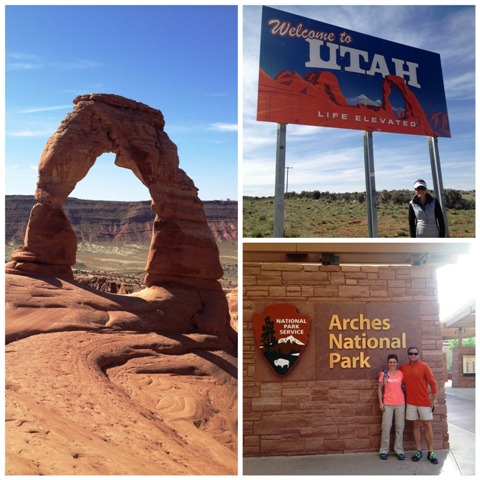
x=466, y=342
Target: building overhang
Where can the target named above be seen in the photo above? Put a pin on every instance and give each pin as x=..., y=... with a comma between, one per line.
x=362, y=253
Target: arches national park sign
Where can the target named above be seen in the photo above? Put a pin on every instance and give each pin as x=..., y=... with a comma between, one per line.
x=350, y=341
x=313, y=73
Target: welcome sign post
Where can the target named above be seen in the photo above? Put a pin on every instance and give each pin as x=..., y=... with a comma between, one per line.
x=313, y=73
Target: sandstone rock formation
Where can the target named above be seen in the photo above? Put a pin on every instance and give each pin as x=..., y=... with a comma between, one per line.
x=182, y=246
x=327, y=82
x=182, y=251
x=99, y=383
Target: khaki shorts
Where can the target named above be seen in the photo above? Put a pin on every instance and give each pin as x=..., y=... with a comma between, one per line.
x=418, y=413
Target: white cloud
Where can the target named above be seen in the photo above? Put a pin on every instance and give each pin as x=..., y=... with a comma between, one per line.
x=223, y=127
x=21, y=61
x=45, y=109
x=29, y=133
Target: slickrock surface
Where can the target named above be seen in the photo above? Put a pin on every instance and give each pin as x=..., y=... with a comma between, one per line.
x=90, y=391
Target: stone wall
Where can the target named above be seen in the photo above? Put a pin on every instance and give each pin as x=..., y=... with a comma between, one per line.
x=459, y=380
x=309, y=412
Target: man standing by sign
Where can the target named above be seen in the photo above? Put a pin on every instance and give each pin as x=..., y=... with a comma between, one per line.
x=417, y=378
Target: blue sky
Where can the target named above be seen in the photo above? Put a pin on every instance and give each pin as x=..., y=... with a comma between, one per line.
x=181, y=60
x=329, y=159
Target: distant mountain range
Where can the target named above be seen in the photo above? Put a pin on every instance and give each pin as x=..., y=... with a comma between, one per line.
x=96, y=221
x=363, y=100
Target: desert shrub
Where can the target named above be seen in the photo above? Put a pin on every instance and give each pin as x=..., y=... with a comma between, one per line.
x=401, y=197
x=454, y=200
x=384, y=196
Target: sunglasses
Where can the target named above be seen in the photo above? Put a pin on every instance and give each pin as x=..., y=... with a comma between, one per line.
x=413, y=353
x=420, y=188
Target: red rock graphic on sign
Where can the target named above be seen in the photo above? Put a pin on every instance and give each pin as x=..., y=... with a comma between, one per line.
x=318, y=100
x=281, y=334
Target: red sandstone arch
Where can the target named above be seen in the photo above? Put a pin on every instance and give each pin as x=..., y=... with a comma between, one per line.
x=413, y=109
x=182, y=250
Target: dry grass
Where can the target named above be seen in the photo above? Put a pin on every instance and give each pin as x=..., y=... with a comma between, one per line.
x=325, y=218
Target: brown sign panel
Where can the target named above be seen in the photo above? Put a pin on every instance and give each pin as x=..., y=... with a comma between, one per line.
x=281, y=334
x=353, y=340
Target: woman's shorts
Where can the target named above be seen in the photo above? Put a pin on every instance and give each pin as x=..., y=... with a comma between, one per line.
x=419, y=413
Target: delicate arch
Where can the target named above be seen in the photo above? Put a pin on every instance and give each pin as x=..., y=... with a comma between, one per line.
x=182, y=250
x=413, y=109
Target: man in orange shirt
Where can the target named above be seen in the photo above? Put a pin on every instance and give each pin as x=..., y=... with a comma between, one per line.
x=417, y=376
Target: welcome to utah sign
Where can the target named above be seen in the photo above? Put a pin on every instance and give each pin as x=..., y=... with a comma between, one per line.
x=313, y=73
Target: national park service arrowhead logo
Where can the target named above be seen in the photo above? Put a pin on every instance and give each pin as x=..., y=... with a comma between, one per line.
x=281, y=334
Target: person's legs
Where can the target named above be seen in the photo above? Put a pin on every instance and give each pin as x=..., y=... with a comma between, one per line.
x=427, y=428
x=386, y=428
x=416, y=434
x=412, y=414
x=426, y=417
x=399, y=426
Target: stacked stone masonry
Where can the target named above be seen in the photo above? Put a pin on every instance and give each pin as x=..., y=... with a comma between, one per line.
x=302, y=414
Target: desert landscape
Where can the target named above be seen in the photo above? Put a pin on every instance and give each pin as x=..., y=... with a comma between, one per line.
x=93, y=398
x=113, y=238
x=121, y=342
x=85, y=400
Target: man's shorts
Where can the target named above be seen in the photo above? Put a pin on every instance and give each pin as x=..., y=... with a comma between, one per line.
x=418, y=413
